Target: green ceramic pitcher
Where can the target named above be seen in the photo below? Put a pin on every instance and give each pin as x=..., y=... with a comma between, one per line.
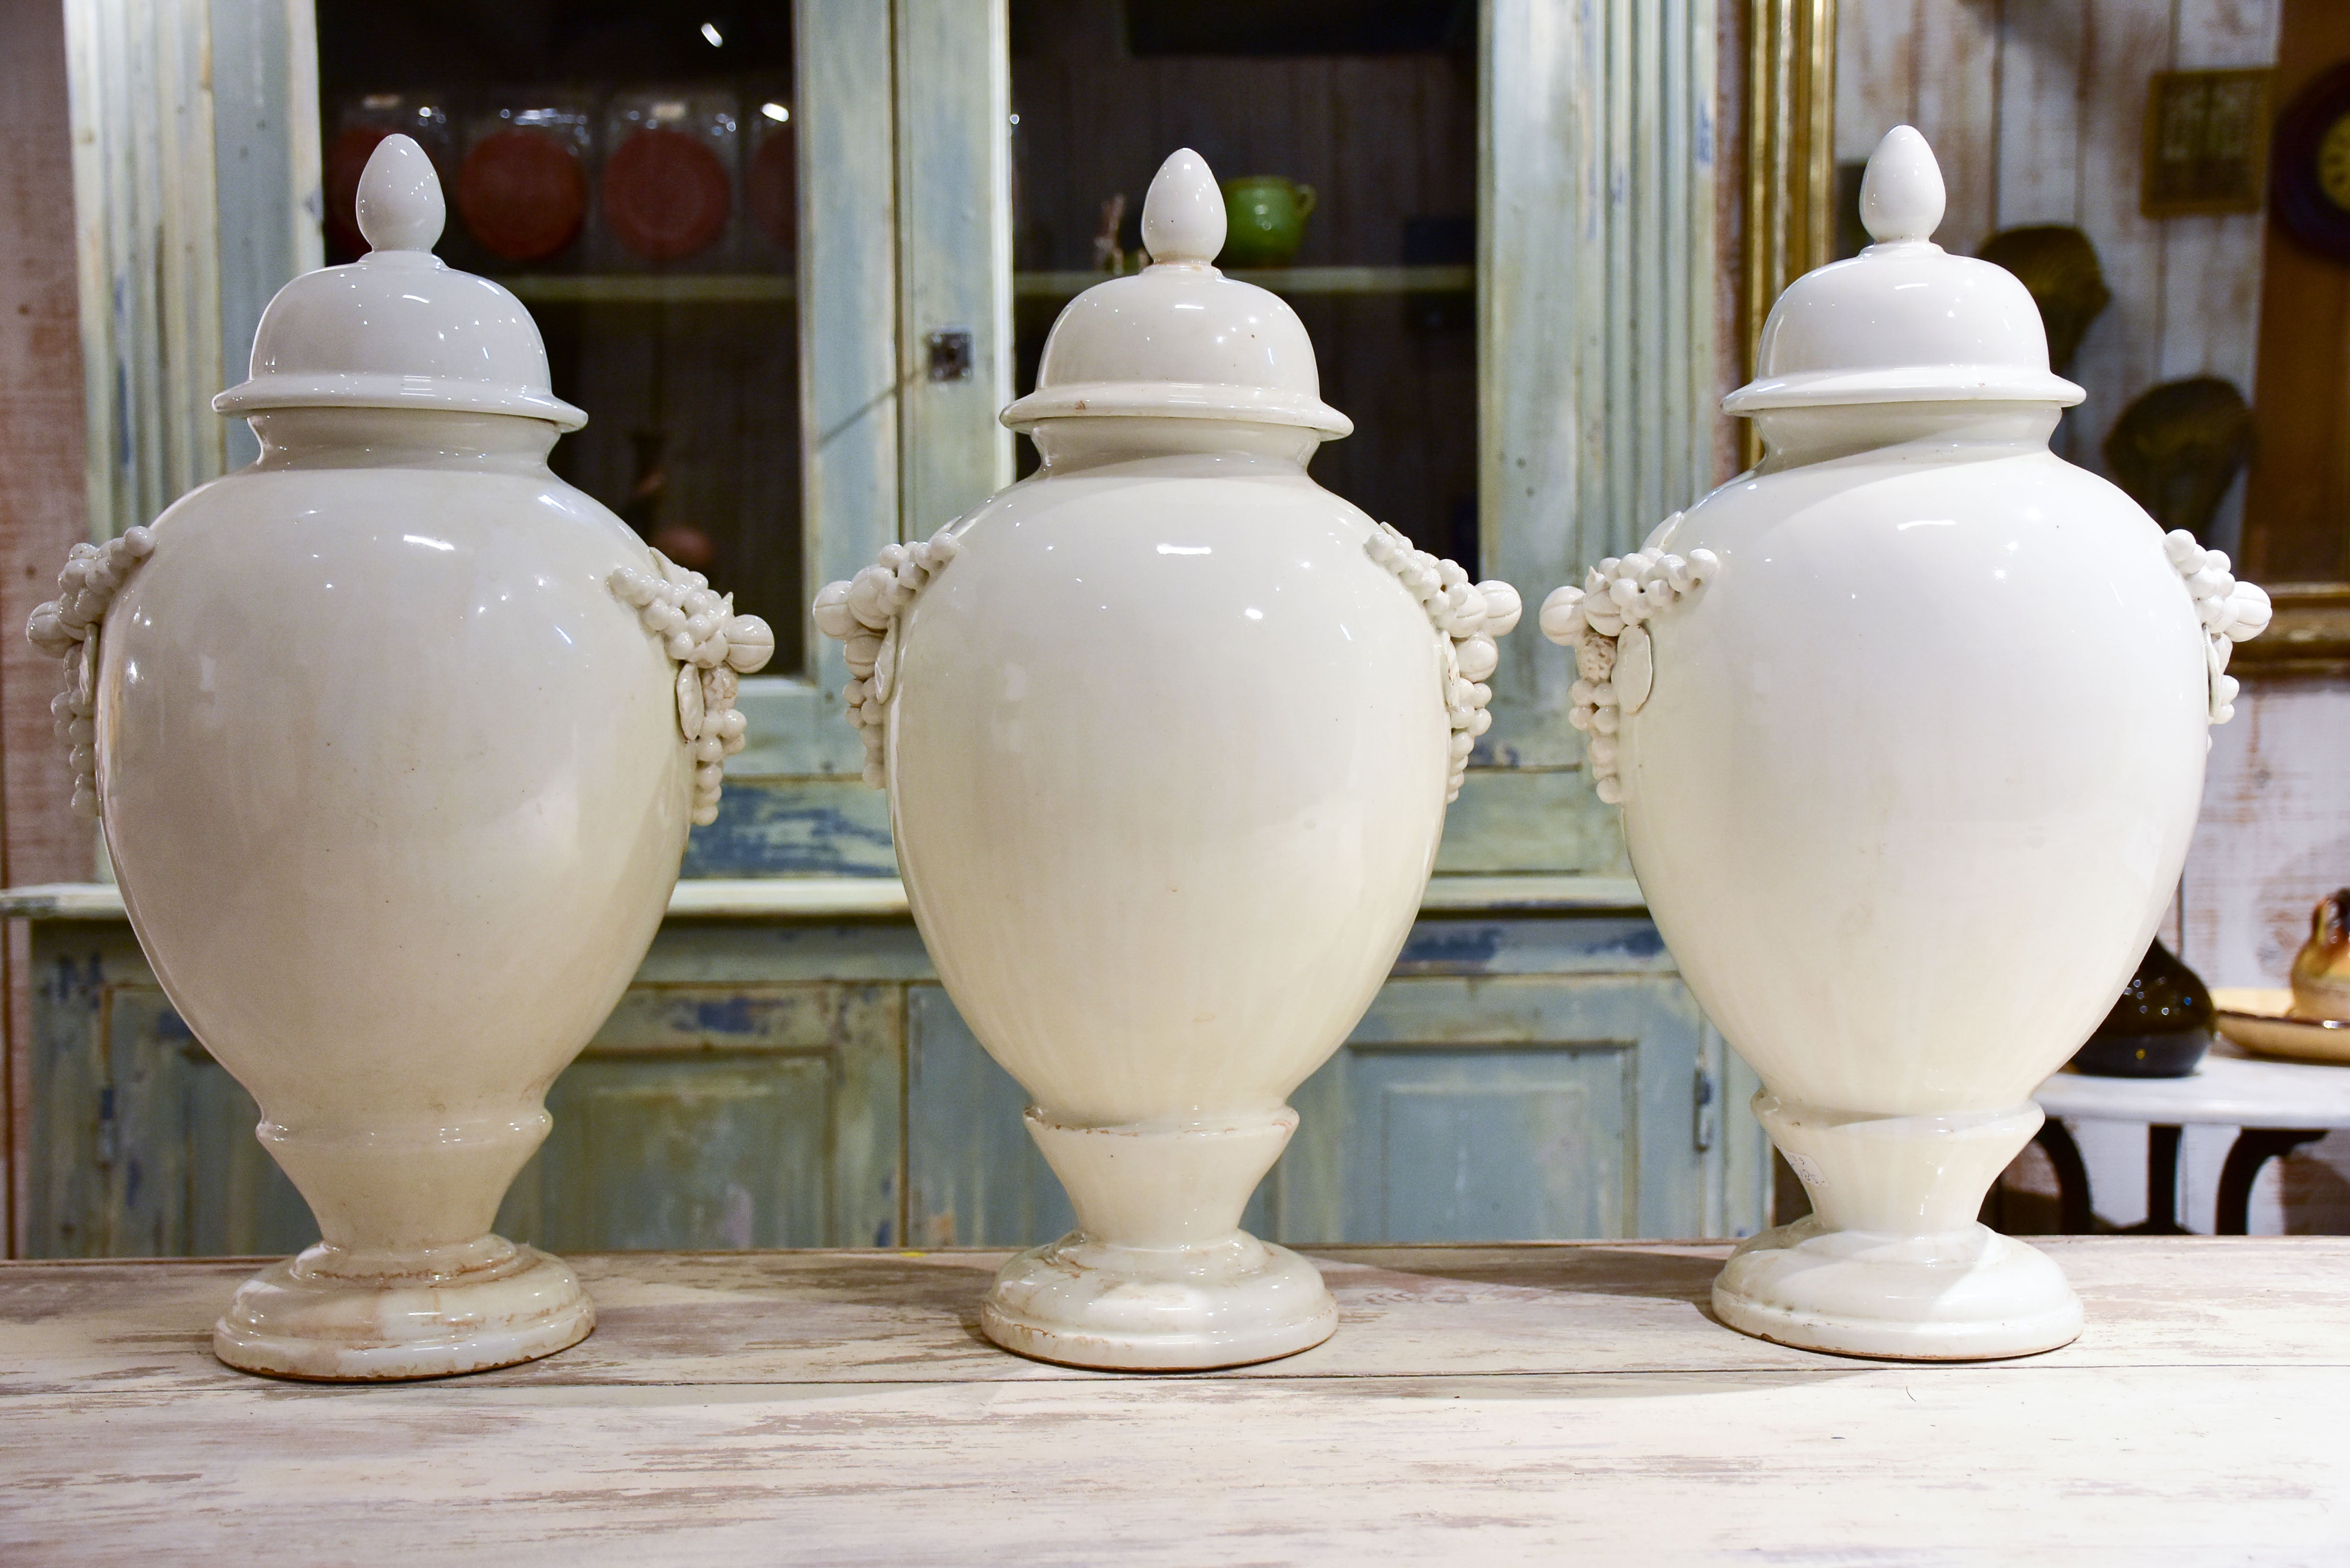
x=1264, y=220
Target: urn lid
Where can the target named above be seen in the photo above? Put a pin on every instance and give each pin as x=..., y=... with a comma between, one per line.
x=399, y=328
x=1904, y=321
x=1179, y=339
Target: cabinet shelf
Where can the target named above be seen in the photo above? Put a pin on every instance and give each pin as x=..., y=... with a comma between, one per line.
x=741, y=288
x=650, y=288
x=1450, y=279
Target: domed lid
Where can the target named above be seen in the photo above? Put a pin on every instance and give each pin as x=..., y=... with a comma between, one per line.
x=1179, y=339
x=398, y=328
x=1904, y=321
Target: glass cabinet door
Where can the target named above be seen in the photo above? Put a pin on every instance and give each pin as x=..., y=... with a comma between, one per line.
x=630, y=169
x=720, y=220
x=1345, y=138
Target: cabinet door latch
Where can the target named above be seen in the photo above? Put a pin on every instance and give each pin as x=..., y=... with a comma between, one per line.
x=1708, y=1126
x=949, y=351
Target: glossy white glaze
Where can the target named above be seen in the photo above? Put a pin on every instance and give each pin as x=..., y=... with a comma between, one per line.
x=395, y=846
x=1194, y=786
x=1168, y=731
x=1913, y=778
x=711, y=646
x=396, y=787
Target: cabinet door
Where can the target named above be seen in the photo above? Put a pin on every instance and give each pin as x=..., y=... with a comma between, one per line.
x=706, y=1115
x=723, y=1116
x=758, y=405
x=1465, y=1107
x=1505, y=1109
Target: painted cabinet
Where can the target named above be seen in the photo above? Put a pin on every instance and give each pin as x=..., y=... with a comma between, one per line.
x=772, y=1082
x=1534, y=1069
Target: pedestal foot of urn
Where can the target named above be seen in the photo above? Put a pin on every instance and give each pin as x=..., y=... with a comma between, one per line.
x=334, y=1316
x=1157, y=1276
x=1971, y=1295
x=1084, y=1303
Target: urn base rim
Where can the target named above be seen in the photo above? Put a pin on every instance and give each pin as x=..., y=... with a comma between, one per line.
x=1232, y=1303
x=294, y=1322
x=1973, y=1295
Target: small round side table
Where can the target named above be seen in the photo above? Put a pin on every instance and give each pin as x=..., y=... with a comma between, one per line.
x=2280, y=1106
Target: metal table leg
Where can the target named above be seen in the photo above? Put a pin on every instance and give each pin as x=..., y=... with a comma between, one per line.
x=2254, y=1148
x=2161, y=1184
x=2072, y=1212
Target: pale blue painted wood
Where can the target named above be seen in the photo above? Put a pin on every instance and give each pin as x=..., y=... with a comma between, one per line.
x=1570, y=1097
x=721, y=1151
x=70, y=1116
x=1488, y=1144
x=798, y=827
x=236, y=1201
x=1746, y=1148
x=702, y=1114
x=1473, y=945
x=1522, y=1074
x=778, y=952
x=1460, y=1110
x=263, y=66
x=729, y=1114
x=973, y=1175
x=954, y=253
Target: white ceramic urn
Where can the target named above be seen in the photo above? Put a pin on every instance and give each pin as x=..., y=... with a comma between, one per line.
x=395, y=738
x=1908, y=726
x=1168, y=731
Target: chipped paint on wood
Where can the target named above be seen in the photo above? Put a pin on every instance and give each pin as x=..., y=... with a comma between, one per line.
x=2037, y=114
x=751, y=1087
x=1515, y=1403
x=795, y=827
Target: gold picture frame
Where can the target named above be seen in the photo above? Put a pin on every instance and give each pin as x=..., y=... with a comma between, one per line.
x=1790, y=148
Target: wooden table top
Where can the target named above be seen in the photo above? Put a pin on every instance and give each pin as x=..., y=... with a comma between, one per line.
x=1544, y=1403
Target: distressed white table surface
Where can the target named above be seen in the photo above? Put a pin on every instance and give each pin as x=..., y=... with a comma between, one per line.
x=1489, y=1404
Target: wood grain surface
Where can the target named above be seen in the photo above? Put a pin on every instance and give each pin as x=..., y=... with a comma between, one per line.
x=2036, y=110
x=42, y=509
x=1490, y=1404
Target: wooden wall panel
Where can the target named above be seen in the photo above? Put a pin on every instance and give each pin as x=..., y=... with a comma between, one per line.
x=2211, y=274
x=2036, y=109
x=1877, y=72
x=1957, y=50
x=2042, y=102
x=2126, y=42
x=43, y=503
x=2275, y=833
x=2041, y=52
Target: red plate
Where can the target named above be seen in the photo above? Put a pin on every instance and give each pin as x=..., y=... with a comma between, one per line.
x=774, y=189
x=666, y=194
x=346, y=161
x=522, y=193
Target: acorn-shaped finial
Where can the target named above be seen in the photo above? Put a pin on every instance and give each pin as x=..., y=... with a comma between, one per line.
x=1901, y=196
x=401, y=206
x=1184, y=216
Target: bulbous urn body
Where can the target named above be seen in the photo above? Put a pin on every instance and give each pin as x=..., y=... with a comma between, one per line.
x=1909, y=742
x=1169, y=732
x=391, y=772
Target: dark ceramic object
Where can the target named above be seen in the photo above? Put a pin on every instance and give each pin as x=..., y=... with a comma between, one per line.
x=2059, y=265
x=2178, y=448
x=2160, y=1027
